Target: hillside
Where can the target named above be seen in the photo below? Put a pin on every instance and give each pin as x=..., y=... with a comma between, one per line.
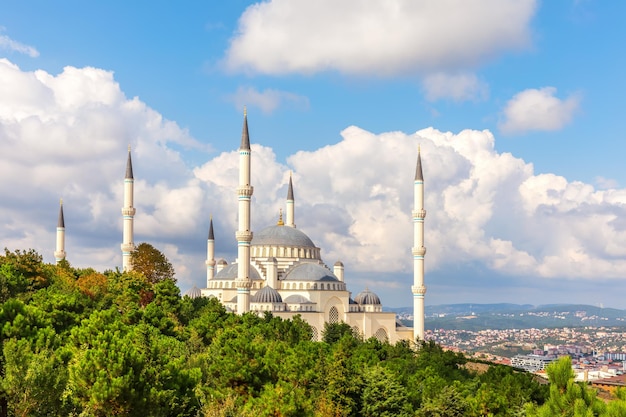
x=515, y=316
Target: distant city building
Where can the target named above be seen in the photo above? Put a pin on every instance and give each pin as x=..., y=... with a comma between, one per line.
x=531, y=363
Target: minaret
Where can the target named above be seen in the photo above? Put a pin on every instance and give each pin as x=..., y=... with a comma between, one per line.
x=128, y=213
x=210, y=254
x=59, y=253
x=244, y=234
x=418, y=288
x=290, y=205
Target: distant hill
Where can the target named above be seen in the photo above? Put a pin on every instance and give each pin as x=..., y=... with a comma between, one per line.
x=514, y=316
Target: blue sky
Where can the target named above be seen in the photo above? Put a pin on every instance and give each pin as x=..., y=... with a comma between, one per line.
x=523, y=162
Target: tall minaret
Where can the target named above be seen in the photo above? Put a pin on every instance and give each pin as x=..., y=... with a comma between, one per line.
x=244, y=234
x=128, y=213
x=290, y=205
x=59, y=253
x=210, y=254
x=419, y=251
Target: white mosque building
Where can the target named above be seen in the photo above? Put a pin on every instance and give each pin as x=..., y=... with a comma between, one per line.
x=279, y=269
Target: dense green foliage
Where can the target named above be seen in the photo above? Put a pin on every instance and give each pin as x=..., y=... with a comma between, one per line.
x=79, y=342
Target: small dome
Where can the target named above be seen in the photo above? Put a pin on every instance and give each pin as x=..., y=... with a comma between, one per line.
x=281, y=236
x=367, y=297
x=231, y=271
x=222, y=261
x=309, y=272
x=297, y=299
x=193, y=292
x=338, y=263
x=266, y=295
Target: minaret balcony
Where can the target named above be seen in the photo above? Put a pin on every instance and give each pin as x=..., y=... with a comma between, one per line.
x=60, y=254
x=421, y=251
x=419, y=214
x=127, y=247
x=128, y=211
x=210, y=262
x=418, y=289
x=245, y=190
x=243, y=236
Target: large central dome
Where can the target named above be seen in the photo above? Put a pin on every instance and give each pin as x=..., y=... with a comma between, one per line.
x=281, y=236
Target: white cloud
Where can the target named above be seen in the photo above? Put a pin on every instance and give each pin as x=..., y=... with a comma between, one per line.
x=353, y=198
x=66, y=136
x=534, y=109
x=267, y=100
x=379, y=38
x=458, y=87
x=606, y=183
x=11, y=45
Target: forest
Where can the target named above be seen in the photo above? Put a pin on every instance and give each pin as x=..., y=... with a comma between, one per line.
x=77, y=342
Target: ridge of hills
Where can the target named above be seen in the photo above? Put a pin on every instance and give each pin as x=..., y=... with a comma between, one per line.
x=501, y=316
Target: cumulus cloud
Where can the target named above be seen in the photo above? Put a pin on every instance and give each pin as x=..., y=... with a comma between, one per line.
x=487, y=210
x=267, y=100
x=458, y=87
x=11, y=45
x=354, y=200
x=538, y=109
x=66, y=136
x=379, y=38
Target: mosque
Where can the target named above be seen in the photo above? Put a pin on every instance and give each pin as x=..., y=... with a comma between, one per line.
x=279, y=268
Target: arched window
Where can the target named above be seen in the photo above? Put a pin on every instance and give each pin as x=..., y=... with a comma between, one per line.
x=333, y=315
x=381, y=335
x=315, y=333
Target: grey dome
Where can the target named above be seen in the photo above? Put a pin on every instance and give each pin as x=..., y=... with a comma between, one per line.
x=367, y=297
x=297, y=299
x=193, y=292
x=309, y=272
x=281, y=236
x=231, y=271
x=266, y=295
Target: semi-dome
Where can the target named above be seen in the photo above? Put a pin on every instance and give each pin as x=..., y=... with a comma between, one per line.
x=266, y=295
x=309, y=272
x=281, y=236
x=297, y=299
x=367, y=297
x=193, y=292
x=231, y=271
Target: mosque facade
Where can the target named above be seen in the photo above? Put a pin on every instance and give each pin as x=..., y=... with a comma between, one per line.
x=279, y=269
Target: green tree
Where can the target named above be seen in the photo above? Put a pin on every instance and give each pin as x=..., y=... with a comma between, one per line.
x=332, y=332
x=34, y=380
x=105, y=373
x=383, y=395
x=567, y=398
x=151, y=262
x=447, y=403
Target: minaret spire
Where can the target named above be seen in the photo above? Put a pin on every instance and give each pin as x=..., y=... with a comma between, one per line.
x=290, y=204
x=244, y=234
x=210, y=254
x=59, y=253
x=128, y=215
x=419, y=251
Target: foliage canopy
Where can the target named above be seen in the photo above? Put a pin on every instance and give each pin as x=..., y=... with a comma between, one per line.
x=79, y=342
